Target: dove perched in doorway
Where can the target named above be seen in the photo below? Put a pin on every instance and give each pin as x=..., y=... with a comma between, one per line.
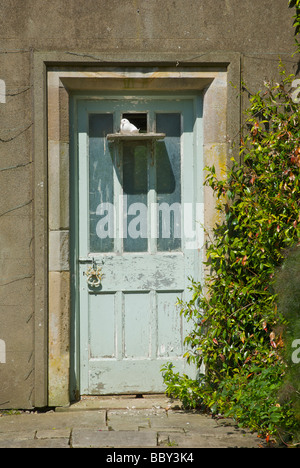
x=127, y=127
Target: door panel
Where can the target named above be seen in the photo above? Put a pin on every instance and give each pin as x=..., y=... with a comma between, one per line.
x=101, y=318
x=169, y=325
x=137, y=325
x=132, y=224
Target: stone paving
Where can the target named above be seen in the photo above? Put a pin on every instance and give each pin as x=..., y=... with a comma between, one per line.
x=112, y=422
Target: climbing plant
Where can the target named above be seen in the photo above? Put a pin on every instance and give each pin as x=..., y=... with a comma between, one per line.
x=237, y=332
x=296, y=4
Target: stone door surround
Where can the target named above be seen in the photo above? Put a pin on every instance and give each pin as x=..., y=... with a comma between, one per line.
x=57, y=77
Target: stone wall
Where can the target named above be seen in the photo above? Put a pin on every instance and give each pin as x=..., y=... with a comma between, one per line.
x=92, y=33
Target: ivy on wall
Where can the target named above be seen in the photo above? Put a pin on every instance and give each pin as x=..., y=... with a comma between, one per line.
x=238, y=331
x=296, y=4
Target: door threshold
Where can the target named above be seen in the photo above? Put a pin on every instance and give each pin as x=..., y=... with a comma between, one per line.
x=159, y=402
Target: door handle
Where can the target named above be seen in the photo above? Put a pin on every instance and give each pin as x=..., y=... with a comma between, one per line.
x=94, y=275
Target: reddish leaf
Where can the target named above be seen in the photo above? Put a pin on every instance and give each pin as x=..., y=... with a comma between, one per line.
x=280, y=342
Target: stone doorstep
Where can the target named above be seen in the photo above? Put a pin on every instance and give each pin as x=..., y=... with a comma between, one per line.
x=122, y=402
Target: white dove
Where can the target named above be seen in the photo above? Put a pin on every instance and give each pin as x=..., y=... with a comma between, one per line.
x=127, y=127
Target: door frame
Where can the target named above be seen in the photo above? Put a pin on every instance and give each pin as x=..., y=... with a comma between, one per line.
x=56, y=379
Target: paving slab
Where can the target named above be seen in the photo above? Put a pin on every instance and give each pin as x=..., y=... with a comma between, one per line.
x=49, y=443
x=197, y=441
x=132, y=419
x=17, y=436
x=52, y=420
x=87, y=438
x=53, y=434
x=156, y=423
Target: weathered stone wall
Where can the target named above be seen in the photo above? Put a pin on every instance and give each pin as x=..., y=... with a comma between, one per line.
x=92, y=31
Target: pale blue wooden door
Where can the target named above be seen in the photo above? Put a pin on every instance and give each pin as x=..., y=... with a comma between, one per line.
x=139, y=220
